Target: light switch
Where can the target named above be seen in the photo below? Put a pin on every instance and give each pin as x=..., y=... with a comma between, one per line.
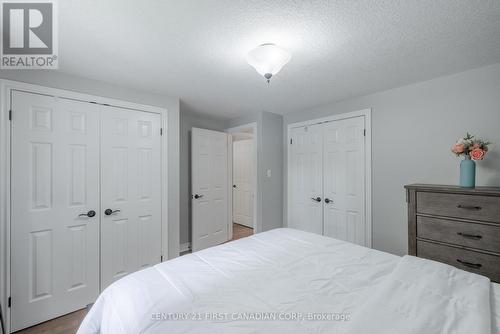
x=269, y=173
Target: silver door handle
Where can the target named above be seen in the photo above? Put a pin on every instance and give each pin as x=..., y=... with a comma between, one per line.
x=317, y=199
x=196, y=196
x=109, y=212
x=89, y=214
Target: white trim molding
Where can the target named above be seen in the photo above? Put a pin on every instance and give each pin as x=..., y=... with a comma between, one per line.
x=229, y=187
x=6, y=87
x=368, y=161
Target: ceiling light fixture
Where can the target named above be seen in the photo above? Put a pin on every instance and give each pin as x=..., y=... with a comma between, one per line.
x=268, y=59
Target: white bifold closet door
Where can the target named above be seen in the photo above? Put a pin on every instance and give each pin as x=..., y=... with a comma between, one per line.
x=71, y=161
x=344, y=180
x=130, y=192
x=54, y=189
x=327, y=179
x=210, y=201
x=306, y=172
x=243, y=193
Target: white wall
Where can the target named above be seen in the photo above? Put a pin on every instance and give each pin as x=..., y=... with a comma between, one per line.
x=189, y=120
x=272, y=159
x=59, y=80
x=413, y=128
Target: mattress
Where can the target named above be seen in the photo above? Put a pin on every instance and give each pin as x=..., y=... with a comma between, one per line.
x=495, y=308
x=289, y=281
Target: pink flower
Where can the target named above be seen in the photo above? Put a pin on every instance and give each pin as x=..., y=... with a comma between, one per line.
x=458, y=148
x=476, y=145
x=477, y=154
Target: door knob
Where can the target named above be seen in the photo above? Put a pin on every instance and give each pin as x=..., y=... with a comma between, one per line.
x=234, y=185
x=317, y=199
x=327, y=200
x=89, y=214
x=196, y=196
x=109, y=212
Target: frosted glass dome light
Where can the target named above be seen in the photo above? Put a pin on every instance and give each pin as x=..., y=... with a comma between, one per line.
x=268, y=59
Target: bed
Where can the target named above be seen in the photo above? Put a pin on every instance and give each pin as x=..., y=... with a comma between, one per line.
x=289, y=281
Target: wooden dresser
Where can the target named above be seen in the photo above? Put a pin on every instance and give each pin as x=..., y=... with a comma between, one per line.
x=457, y=226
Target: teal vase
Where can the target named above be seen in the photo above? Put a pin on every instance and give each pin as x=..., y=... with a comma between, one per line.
x=467, y=173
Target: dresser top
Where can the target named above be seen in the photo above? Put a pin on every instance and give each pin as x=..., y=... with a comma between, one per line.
x=455, y=189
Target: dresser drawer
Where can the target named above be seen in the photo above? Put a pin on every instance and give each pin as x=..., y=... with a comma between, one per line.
x=476, y=207
x=479, y=263
x=485, y=237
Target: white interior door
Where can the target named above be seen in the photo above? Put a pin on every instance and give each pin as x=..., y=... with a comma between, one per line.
x=131, y=192
x=209, y=170
x=344, y=180
x=243, y=193
x=55, y=205
x=306, y=179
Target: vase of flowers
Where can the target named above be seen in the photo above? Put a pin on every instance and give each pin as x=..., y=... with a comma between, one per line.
x=472, y=149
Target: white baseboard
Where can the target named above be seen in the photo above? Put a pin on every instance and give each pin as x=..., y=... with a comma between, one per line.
x=185, y=247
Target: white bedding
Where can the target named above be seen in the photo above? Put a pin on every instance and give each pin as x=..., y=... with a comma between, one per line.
x=429, y=296
x=277, y=281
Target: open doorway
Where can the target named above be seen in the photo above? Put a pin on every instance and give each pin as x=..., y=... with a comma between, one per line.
x=244, y=180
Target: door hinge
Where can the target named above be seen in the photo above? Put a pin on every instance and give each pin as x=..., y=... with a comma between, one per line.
x=161, y=131
x=161, y=258
x=291, y=141
x=364, y=132
x=10, y=114
x=9, y=302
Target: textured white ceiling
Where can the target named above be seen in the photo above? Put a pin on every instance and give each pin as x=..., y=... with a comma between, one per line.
x=195, y=49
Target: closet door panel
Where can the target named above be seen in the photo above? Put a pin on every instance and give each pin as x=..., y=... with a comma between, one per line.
x=355, y=181
x=334, y=183
x=130, y=192
x=344, y=175
x=306, y=176
x=55, y=184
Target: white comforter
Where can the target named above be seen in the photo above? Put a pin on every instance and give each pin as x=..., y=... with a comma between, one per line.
x=288, y=281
